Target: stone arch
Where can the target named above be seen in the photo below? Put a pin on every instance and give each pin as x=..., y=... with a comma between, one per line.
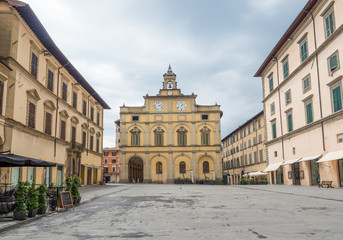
x=74, y=120
x=186, y=159
x=139, y=126
x=135, y=170
x=208, y=125
x=159, y=178
x=49, y=104
x=181, y=124
x=201, y=160
x=153, y=127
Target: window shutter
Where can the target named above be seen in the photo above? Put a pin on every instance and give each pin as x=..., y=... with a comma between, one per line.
x=48, y=118
x=63, y=130
x=50, y=80
x=337, y=99
x=64, y=92
x=34, y=63
x=333, y=62
x=1, y=95
x=32, y=111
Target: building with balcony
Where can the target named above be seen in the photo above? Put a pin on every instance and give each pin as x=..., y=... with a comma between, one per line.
x=170, y=137
x=48, y=111
x=302, y=97
x=244, y=150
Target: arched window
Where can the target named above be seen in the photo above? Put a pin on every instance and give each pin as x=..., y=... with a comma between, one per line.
x=206, y=167
x=182, y=167
x=169, y=85
x=182, y=136
x=135, y=136
x=158, y=168
x=205, y=136
x=159, y=133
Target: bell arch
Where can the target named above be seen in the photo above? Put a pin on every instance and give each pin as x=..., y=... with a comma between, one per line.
x=136, y=169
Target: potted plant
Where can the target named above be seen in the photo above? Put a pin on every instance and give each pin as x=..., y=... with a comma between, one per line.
x=51, y=194
x=41, y=199
x=75, y=189
x=20, y=201
x=32, y=200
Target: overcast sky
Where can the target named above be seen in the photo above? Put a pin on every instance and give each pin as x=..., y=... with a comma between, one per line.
x=123, y=48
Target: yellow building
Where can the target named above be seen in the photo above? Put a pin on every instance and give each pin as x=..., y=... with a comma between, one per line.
x=244, y=150
x=170, y=137
x=48, y=110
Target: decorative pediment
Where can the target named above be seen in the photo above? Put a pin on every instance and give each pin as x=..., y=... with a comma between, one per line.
x=84, y=125
x=135, y=130
x=92, y=131
x=158, y=130
x=98, y=134
x=182, y=129
x=64, y=114
x=74, y=120
x=205, y=129
x=33, y=94
x=50, y=104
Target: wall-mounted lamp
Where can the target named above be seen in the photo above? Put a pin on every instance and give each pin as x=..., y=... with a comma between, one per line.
x=289, y=39
x=47, y=53
x=274, y=59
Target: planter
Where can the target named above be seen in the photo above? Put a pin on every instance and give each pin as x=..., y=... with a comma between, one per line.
x=32, y=213
x=19, y=216
x=42, y=210
x=53, y=204
x=78, y=200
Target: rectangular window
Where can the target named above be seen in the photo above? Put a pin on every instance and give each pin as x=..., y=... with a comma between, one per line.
x=309, y=113
x=250, y=158
x=114, y=153
x=98, y=118
x=288, y=97
x=34, y=65
x=105, y=169
x=272, y=109
x=303, y=50
x=306, y=83
x=73, y=136
x=204, y=117
x=255, y=157
x=329, y=22
x=105, y=153
x=50, y=80
x=340, y=138
x=32, y=115
x=135, y=118
x=1, y=95
x=97, y=145
x=290, y=121
x=336, y=98
x=74, y=99
x=271, y=83
x=84, y=137
x=259, y=124
x=91, y=141
x=113, y=169
x=261, y=155
x=254, y=141
x=274, y=129
x=92, y=113
x=249, y=143
x=285, y=68
x=246, y=159
x=114, y=161
x=333, y=63
x=63, y=130
x=260, y=138
x=84, y=107
x=48, y=123
x=64, y=91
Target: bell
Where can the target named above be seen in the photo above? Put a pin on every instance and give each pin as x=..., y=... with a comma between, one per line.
x=170, y=85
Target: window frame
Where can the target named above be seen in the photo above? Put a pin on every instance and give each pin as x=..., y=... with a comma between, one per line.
x=331, y=71
x=206, y=167
x=333, y=87
x=271, y=82
x=289, y=118
x=307, y=77
x=306, y=113
x=302, y=43
x=272, y=108
x=327, y=12
x=288, y=97
x=182, y=167
x=274, y=130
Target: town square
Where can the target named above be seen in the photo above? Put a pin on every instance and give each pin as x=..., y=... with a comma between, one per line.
x=171, y=119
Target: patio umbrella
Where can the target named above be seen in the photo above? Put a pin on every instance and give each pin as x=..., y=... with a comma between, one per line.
x=12, y=160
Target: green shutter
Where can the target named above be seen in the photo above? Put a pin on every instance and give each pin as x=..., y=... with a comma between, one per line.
x=285, y=69
x=274, y=130
x=290, y=122
x=333, y=62
x=303, y=50
x=309, y=113
x=337, y=99
x=271, y=85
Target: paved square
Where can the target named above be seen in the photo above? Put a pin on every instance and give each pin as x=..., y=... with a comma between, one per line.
x=197, y=212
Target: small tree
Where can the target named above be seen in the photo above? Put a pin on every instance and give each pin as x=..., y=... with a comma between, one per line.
x=42, y=196
x=32, y=197
x=75, y=187
x=20, y=199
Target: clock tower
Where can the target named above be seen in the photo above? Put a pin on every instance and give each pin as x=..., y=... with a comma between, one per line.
x=170, y=137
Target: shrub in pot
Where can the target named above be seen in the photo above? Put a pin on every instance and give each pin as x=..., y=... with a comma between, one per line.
x=41, y=199
x=19, y=212
x=32, y=200
x=75, y=189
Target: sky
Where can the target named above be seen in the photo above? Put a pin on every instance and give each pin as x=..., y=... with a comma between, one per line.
x=123, y=48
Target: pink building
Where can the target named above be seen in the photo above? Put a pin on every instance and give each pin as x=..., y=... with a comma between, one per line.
x=302, y=96
x=111, y=165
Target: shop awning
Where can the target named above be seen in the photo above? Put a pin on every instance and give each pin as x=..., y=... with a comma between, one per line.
x=256, y=174
x=310, y=158
x=332, y=156
x=272, y=167
x=288, y=162
x=12, y=160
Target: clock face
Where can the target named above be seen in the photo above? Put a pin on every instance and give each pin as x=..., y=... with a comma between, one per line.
x=170, y=93
x=181, y=105
x=158, y=106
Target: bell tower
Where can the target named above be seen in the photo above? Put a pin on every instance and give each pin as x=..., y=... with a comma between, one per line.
x=169, y=84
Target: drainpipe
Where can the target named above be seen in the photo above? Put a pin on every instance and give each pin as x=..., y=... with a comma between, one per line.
x=88, y=116
x=318, y=77
x=58, y=85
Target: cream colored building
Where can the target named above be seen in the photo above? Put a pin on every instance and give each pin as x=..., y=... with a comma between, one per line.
x=49, y=111
x=302, y=96
x=170, y=137
x=244, y=149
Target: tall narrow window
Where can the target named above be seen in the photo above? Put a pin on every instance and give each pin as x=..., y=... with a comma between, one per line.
x=50, y=80
x=32, y=115
x=329, y=22
x=63, y=130
x=34, y=65
x=48, y=123
x=84, y=107
x=135, y=136
x=158, y=168
x=261, y=155
x=272, y=109
x=303, y=50
x=290, y=121
x=64, y=91
x=159, y=136
x=1, y=95
x=205, y=136
x=74, y=99
x=271, y=83
x=84, y=137
x=333, y=62
x=182, y=167
x=309, y=113
x=274, y=129
x=73, y=136
x=337, y=98
x=182, y=136
x=285, y=67
x=92, y=113
x=306, y=83
x=205, y=167
x=255, y=157
x=288, y=97
x=91, y=142
x=97, y=145
x=98, y=118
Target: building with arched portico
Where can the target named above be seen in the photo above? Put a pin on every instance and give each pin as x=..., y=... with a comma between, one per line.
x=170, y=137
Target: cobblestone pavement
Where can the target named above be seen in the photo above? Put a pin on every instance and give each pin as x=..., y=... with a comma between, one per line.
x=196, y=212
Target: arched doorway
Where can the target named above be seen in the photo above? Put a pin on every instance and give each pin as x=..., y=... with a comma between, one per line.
x=136, y=170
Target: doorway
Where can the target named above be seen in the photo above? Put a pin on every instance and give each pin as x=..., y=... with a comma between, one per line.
x=340, y=166
x=135, y=170
x=296, y=171
x=89, y=176
x=15, y=175
x=279, y=176
x=314, y=172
